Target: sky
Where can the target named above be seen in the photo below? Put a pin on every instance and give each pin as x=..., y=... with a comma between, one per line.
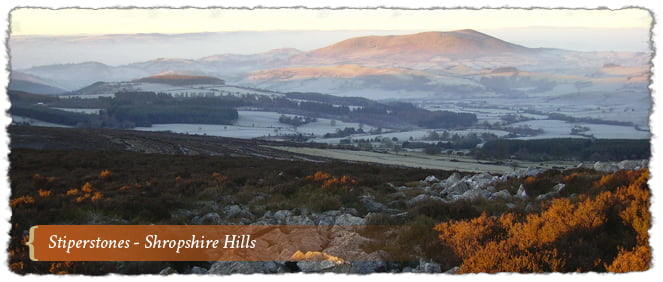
x=33, y=21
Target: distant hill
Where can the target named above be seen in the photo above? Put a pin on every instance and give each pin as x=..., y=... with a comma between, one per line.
x=101, y=87
x=75, y=76
x=32, y=87
x=180, y=79
x=430, y=65
x=32, y=84
x=419, y=46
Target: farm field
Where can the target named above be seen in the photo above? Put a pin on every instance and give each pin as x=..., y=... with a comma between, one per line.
x=421, y=160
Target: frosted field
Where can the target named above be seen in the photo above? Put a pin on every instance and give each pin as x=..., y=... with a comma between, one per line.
x=628, y=107
x=205, y=90
x=402, y=136
x=35, y=122
x=562, y=129
x=499, y=133
x=617, y=132
x=419, y=160
x=238, y=90
x=254, y=124
x=259, y=119
x=92, y=96
x=488, y=114
x=323, y=126
x=213, y=130
x=271, y=120
x=80, y=110
x=417, y=135
x=156, y=87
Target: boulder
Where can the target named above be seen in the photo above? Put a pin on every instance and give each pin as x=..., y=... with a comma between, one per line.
x=431, y=267
x=557, y=188
x=198, y=270
x=428, y=267
x=420, y=198
x=473, y=194
x=452, y=179
x=480, y=180
x=207, y=205
x=167, y=271
x=282, y=215
x=332, y=213
x=457, y=189
x=402, y=188
x=521, y=192
x=502, y=194
x=368, y=267
x=452, y=270
x=232, y=211
x=431, y=178
x=245, y=267
x=324, y=220
x=546, y=196
x=350, y=211
x=315, y=266
x=506, y=176
x=346, y=219
x=298, y=220
x=211, y=218
x=605, y=166
x=398, y=195
x=371, y=205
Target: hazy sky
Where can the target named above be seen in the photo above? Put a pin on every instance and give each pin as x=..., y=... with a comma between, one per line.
x=25, y=21
x=122, y=36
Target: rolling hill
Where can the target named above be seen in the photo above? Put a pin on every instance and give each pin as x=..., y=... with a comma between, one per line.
x=417, y=47
x=175, y=79
x=432, y=65
x=32, y=84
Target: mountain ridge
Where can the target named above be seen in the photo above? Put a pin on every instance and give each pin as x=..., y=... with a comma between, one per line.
x=432, y=64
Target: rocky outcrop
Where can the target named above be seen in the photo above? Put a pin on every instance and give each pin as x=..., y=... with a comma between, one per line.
x=341, y=250
x=455, y=188
x=626, y=164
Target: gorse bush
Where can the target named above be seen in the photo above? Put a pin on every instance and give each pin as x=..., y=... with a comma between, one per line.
x=611, y=229
x=23, y=200
x=329, y=181
x=105, y=174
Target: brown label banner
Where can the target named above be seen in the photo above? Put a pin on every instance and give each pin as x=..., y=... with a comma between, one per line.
x=192, y=242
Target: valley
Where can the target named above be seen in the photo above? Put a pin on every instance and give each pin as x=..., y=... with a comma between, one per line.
x=529, y=154
x=513, y=91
